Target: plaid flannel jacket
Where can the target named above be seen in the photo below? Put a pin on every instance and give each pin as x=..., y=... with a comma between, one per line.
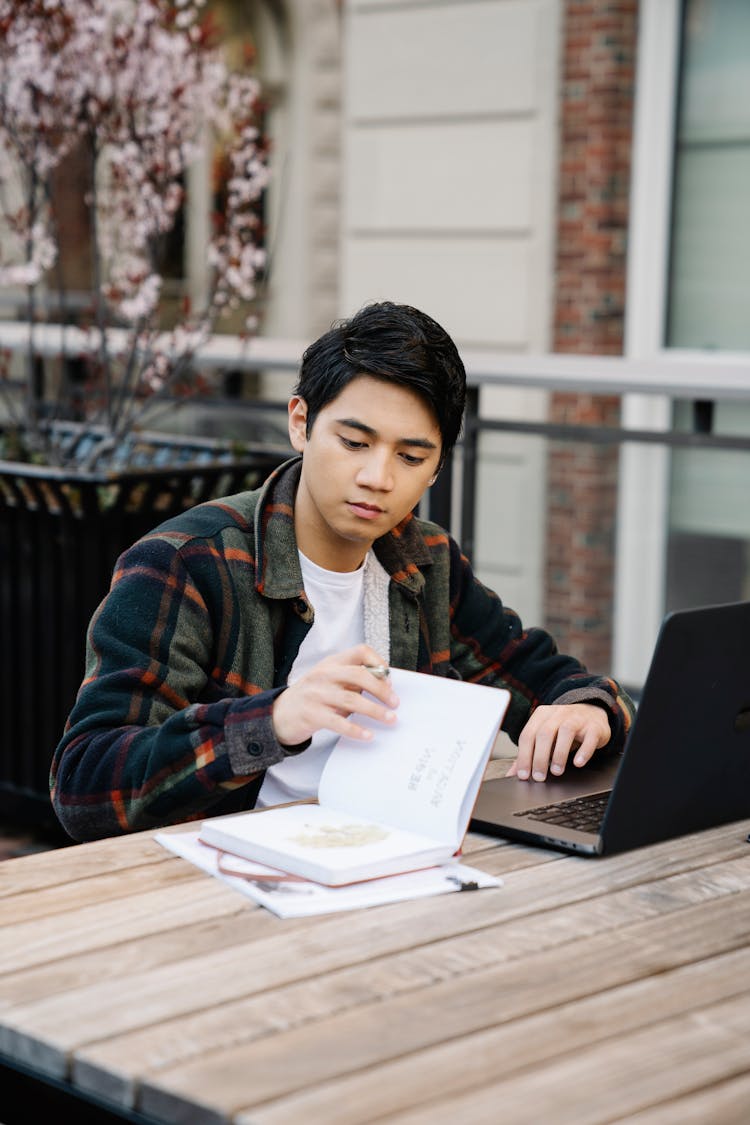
x=197, y=635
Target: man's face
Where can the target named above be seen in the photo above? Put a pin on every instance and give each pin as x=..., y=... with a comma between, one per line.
x=371, y=453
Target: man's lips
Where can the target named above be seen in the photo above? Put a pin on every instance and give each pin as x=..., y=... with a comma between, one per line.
x=364, y=510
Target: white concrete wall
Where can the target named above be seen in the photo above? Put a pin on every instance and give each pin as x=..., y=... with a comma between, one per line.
x=302, y=54
x=449, y=197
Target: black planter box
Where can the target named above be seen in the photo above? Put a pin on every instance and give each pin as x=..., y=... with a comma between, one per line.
x=61, y=532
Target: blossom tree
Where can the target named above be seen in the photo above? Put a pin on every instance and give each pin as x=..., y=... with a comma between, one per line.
x=136, y=88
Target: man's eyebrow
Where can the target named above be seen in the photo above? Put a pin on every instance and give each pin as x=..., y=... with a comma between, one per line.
x=355, y=424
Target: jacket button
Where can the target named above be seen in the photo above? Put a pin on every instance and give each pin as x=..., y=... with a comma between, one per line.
x=255, y=749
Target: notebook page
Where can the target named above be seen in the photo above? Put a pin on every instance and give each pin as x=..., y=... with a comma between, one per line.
x=423, y=773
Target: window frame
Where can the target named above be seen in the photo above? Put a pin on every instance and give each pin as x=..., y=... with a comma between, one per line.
x=643, y=500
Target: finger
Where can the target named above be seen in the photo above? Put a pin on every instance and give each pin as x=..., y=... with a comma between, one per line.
x=325, y=699
x=363, y=656
x=359, y=679
x=543, y=744
x=346, y=724
x=354, y=703
x=534, y=747
x=588, y=747
x=346, y=727
x=525, y=753
x=375, y=684
x=566, y=736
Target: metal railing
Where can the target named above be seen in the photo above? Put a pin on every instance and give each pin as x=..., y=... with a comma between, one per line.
x=700, y=379
x=647, y=390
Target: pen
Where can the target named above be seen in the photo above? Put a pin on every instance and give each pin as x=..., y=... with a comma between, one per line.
x=463, y=884
x=379, y=671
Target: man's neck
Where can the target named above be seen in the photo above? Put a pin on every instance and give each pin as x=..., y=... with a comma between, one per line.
x=339, y=560
x=338, y=569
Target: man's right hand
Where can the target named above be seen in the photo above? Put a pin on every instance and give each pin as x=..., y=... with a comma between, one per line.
x=332, y=691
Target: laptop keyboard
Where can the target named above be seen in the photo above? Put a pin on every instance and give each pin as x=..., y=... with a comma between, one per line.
x=582, y=813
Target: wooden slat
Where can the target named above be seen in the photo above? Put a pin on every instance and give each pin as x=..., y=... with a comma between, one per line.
x=33, y=906
x=610, y=1079
x=127, y=966
x=465, y=1064
x=368, y=1034
x=33, y=873
x=224, y=974
x=722, y=1103
x=122, y=959
x=121, y=919
x=586, y=876
x=44, y=1030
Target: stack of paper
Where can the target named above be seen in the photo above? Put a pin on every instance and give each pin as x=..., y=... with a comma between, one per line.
x=298, y=899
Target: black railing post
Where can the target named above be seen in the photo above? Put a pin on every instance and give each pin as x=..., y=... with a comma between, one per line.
x=469, y=472
x=440, y=496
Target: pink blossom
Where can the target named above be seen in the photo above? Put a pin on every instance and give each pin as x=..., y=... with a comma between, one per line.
x=140, y=90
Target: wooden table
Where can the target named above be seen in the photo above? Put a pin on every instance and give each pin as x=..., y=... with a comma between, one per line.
x=583, y=990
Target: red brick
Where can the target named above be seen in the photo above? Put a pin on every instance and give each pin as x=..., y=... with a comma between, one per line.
x=595, y=138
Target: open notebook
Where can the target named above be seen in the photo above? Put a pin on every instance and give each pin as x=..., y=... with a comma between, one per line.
x=398, y=803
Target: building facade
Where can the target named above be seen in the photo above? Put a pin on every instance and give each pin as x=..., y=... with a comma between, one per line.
x=567, y=176
x=542, y=176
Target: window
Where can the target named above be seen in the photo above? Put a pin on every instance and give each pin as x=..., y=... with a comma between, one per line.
x=684, y=522
x=709, y=292
x=708, y=300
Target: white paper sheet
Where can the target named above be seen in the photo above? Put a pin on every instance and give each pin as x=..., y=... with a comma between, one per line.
x=297, y=900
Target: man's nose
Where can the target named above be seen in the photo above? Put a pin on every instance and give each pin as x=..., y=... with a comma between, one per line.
x=375, y=471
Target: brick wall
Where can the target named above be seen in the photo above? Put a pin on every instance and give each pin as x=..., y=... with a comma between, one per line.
x=595, y=141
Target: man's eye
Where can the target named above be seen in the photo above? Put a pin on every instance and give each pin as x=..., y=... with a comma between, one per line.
x=348, y=443
x=410, y=459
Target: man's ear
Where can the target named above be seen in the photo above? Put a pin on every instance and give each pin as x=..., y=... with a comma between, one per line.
x=297, y=423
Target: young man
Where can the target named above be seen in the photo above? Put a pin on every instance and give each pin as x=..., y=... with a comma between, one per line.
x=237, y=640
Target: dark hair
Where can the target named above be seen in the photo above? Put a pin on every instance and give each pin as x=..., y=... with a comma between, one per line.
x=398, y=344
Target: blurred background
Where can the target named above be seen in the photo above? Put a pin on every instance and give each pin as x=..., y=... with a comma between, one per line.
x=563, y=184
x=545, y=177
x=542, y=176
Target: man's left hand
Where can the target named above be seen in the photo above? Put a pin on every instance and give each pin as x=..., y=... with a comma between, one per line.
x=552, y=732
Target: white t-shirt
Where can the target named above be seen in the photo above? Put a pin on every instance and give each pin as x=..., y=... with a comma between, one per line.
x=338, y=600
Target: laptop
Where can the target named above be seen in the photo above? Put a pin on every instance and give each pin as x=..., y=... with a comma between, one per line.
x=686, y=761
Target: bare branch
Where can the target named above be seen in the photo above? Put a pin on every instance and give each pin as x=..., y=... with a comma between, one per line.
x=142, y=84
